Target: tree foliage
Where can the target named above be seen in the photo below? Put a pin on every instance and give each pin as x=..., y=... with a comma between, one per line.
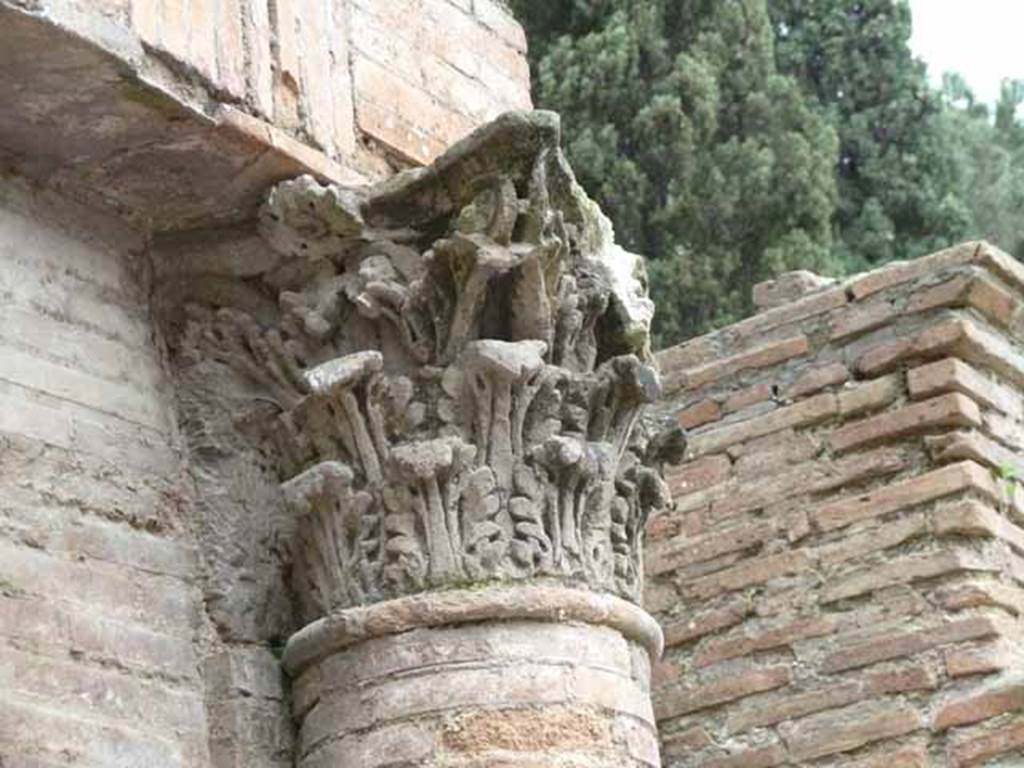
x=704, y=156
x=732, y=140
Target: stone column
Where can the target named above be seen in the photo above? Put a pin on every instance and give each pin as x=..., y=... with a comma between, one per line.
x=459, y=360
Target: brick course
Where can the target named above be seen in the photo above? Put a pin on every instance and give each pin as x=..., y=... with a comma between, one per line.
x=840, y=580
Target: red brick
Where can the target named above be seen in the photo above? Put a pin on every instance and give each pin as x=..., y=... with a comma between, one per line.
x=850, y=728
x=982, y=594
x=672, y=702
x=696, y=624
x=956, y=478
x=990, y=350
x=905, y=271
x=973, y=445
x=950, y=293
x=802, y=414
x=698, y=475
x=788, y=288
x=682, y=743
x=950, y=410
x=906, y=756
x=972, y=518
x=953, y=375
x=977, y=745
x=769, y=354
x=763, y=455
x=747, y=573
x=993, y=301
x=876, y=538
x=686, y=550
x=766, y=756
x=699, y=414
x=895, y=644
x=812, y=477
x=817, y=379
x=757, y=393
x=777, y=707
x=900, y=571
x=804, y=309
x=753, y=639
x=936, y=340
x=987, y=701
x=870, y=395
x=861, y=318
x=985, y=658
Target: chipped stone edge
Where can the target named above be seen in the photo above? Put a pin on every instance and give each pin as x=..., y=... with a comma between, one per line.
x=561, y=605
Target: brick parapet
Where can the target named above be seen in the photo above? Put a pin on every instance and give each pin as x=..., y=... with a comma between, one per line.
x=840, y=580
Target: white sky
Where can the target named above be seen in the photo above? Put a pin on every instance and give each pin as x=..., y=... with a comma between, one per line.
x=980, y=39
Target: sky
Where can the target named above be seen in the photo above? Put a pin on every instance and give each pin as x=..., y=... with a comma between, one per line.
x=980, y=39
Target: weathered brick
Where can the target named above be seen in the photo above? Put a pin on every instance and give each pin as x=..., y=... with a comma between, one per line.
x=977, y=745
x=789, y=314
x=984, y=658
x=984, y=702
x=936, y=340
x=763, y=455
x=692, y=625
x=956, y=478
x=895, y=644
x=853, y=727
x=788, y=287
x=761, y=638
x=870, y=395
x=950, y=410
x=777, y=707
x=861, y=318
x=874, y=538
x=813, y=477
x=949, y=293
x=766, y=756
x=977, y=594
x=681, y=700
x=744, y=398
x=699, y=414
x=764, y=356
x=684, y=742
x=993, y=301
x=754, y=571
x=817, y=379
x=802, y=414
x=972, y=518
x=902, y=570
x=698, y=475
x=953, y=375
x=886, y=756
x=905, y=271
x=974, y=445
x=685, y=550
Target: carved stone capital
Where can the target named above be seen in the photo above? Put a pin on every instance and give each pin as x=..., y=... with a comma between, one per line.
x=457, y=359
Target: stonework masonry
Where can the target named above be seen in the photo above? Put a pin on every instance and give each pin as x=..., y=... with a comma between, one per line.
x=840, y=581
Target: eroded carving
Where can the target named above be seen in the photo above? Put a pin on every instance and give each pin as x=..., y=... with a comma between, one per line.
x=458, y=365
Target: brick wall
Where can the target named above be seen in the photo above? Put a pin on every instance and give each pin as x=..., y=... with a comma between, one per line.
x=840, y=579
x=99, y=614
x=349, y=77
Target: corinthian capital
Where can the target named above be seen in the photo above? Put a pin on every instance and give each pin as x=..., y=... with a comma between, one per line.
x=459, y=359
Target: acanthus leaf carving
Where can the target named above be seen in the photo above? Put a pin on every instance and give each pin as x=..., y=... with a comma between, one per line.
x=460, y=362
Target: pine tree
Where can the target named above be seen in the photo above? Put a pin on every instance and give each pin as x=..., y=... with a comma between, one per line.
x=706, y=159
x=900, y=191
x=990, y=156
